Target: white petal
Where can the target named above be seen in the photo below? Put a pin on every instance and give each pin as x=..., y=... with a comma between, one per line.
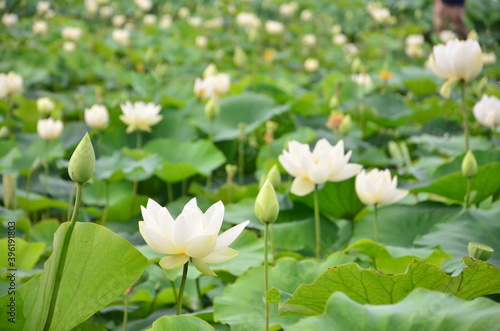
x=214, y=217
x=222, y=256
x=302, y=186
x=203, y=267
x=156, y=241
x=200, y=246
x=227, y=238
x=173, y=261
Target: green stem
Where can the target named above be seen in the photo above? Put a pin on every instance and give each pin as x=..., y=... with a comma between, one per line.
x=266, y=274
x=104, y=217
x=181, y=289
x=198, y=291
x=138, y=140
x=467, y=193
x=495, y=138
x=125, y=313
x=375, y=223
x=317, y=223
x=241, y=165
x=61, y=260
x=271, y=238
x=9, y=115
x=465, y=116
x=170, y=192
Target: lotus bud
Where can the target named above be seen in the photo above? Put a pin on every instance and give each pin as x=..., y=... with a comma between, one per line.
x=334, y=102
x=82, y=163
x=274, y=177
x=472, y=35
x=469, y=165
x=394, y=151
x=346, y=124
x=212, y=108
x=240, y=58
x=479, y=251
x=266, y=205
x=253, y=35
x=231, y=170
x=9, y=190
x=211, y=70
x=356, y=65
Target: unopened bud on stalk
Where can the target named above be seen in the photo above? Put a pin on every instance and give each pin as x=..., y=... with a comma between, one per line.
x=212, y=109
x=334, y=102
x=9, y=190
x=82, y=162
x=346, y=124
x=240, y=58
x=469, y=165
x=480, y=251
x=211, y=70
x=231, y=170
x=266, y=205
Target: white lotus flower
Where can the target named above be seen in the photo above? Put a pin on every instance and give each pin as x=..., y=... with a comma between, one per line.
x=311, y=64
x=414, y=40
x=106, y=11
x=362, y=79
x=184, y=12
x=306, y=15
x=72, y=33
x=212, y=86
x=339, y=39
x=144, y=5
x=118, y=20
x=457, y=60
x=274, y=27
x=48, y=129
x=326, y=163
x=149, y=19
x=40, y=27
x=11, y=83
x=377, y=187
x=489, y=58
x=165, y=22
x=121, y=36
x=97, y=117
x=487, y=111
x=91, y=6
x=69, y=46
x=42, y=7
x=140, y=116
x=248, y=20
x=192, y=235
x=45, y=105
x=447, y=35
x=201, y=42
x=9, y=19
x=309, y=40
x=288, y=9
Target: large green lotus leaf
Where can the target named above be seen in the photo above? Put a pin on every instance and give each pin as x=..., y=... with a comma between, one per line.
x=127, y=207
x=337, y=200
x=474, y=225
x=420, y=310
x=449, y=145
x=173, y=125
x=249, y=108
x=25, y=256
x=369, y=286
x=100, y=266
x=241, y=305
x=399, y=225
x=454, y=185
x=390, y=110
x=482, y=158
x=182, y=160
x=38, y=202
x=43, y=231
x=395, y=260
x=120, y=165
x=181, y=323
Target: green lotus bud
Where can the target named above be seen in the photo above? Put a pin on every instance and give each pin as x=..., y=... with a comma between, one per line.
x=240, y=58
x=356, y=65
x=469, y=165
x=479, y=251
x=231, y=170
x=267, y=206
x=211, y=70
x=334, y=102
x=395, y=151
x=9, y=190
x=212, y=109
x=346, y=124
x=82, y=163
x=274, y=177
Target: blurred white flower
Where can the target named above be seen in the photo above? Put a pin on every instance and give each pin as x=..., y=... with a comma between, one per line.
x=91, y=6
x=2, y=6
x=309, y=40
x=9, y=19
x=72, y=33
x=11, y=83
x=326, y=163
x=377, y=187
x=140, y=116
x=274, y=27
x=457, y=60
x=106, y=11
x=414, y=51
x=351, y=50
x=149, y=19
x=489, y=58
x=201, y=42
x=144, y=5
x=362, y=79
x=184, y=12
x=118, y=20
x=48, y=129
x=69, y=46
x=97, y=117
x=311, y=64
x=414, y=40
x=306, y=15
x=214, y=23
x=381, y=15
x=121, y=36
x=45, y=105
x=212, y=86
x=339, y=39
x=288, y=9
x=336, y=29
x=447, y=35
x=248, y=20
x=40, y=27
x=192, y=235
x=165, y=22
x=42, y=7
x=487, y=111
x=195, y=21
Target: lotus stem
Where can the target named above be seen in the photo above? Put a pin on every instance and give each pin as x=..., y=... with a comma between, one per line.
x=181, y=289
x=266, y=274
x=198, y=291
x=375, y=223
x=465, y=116
x=125, y=313
x=317, y=223
x=61, y=259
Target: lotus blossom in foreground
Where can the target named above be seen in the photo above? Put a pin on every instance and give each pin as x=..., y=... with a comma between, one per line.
x=377, y=187
x=193, y=235
x=140, y=116
x=326, y=163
